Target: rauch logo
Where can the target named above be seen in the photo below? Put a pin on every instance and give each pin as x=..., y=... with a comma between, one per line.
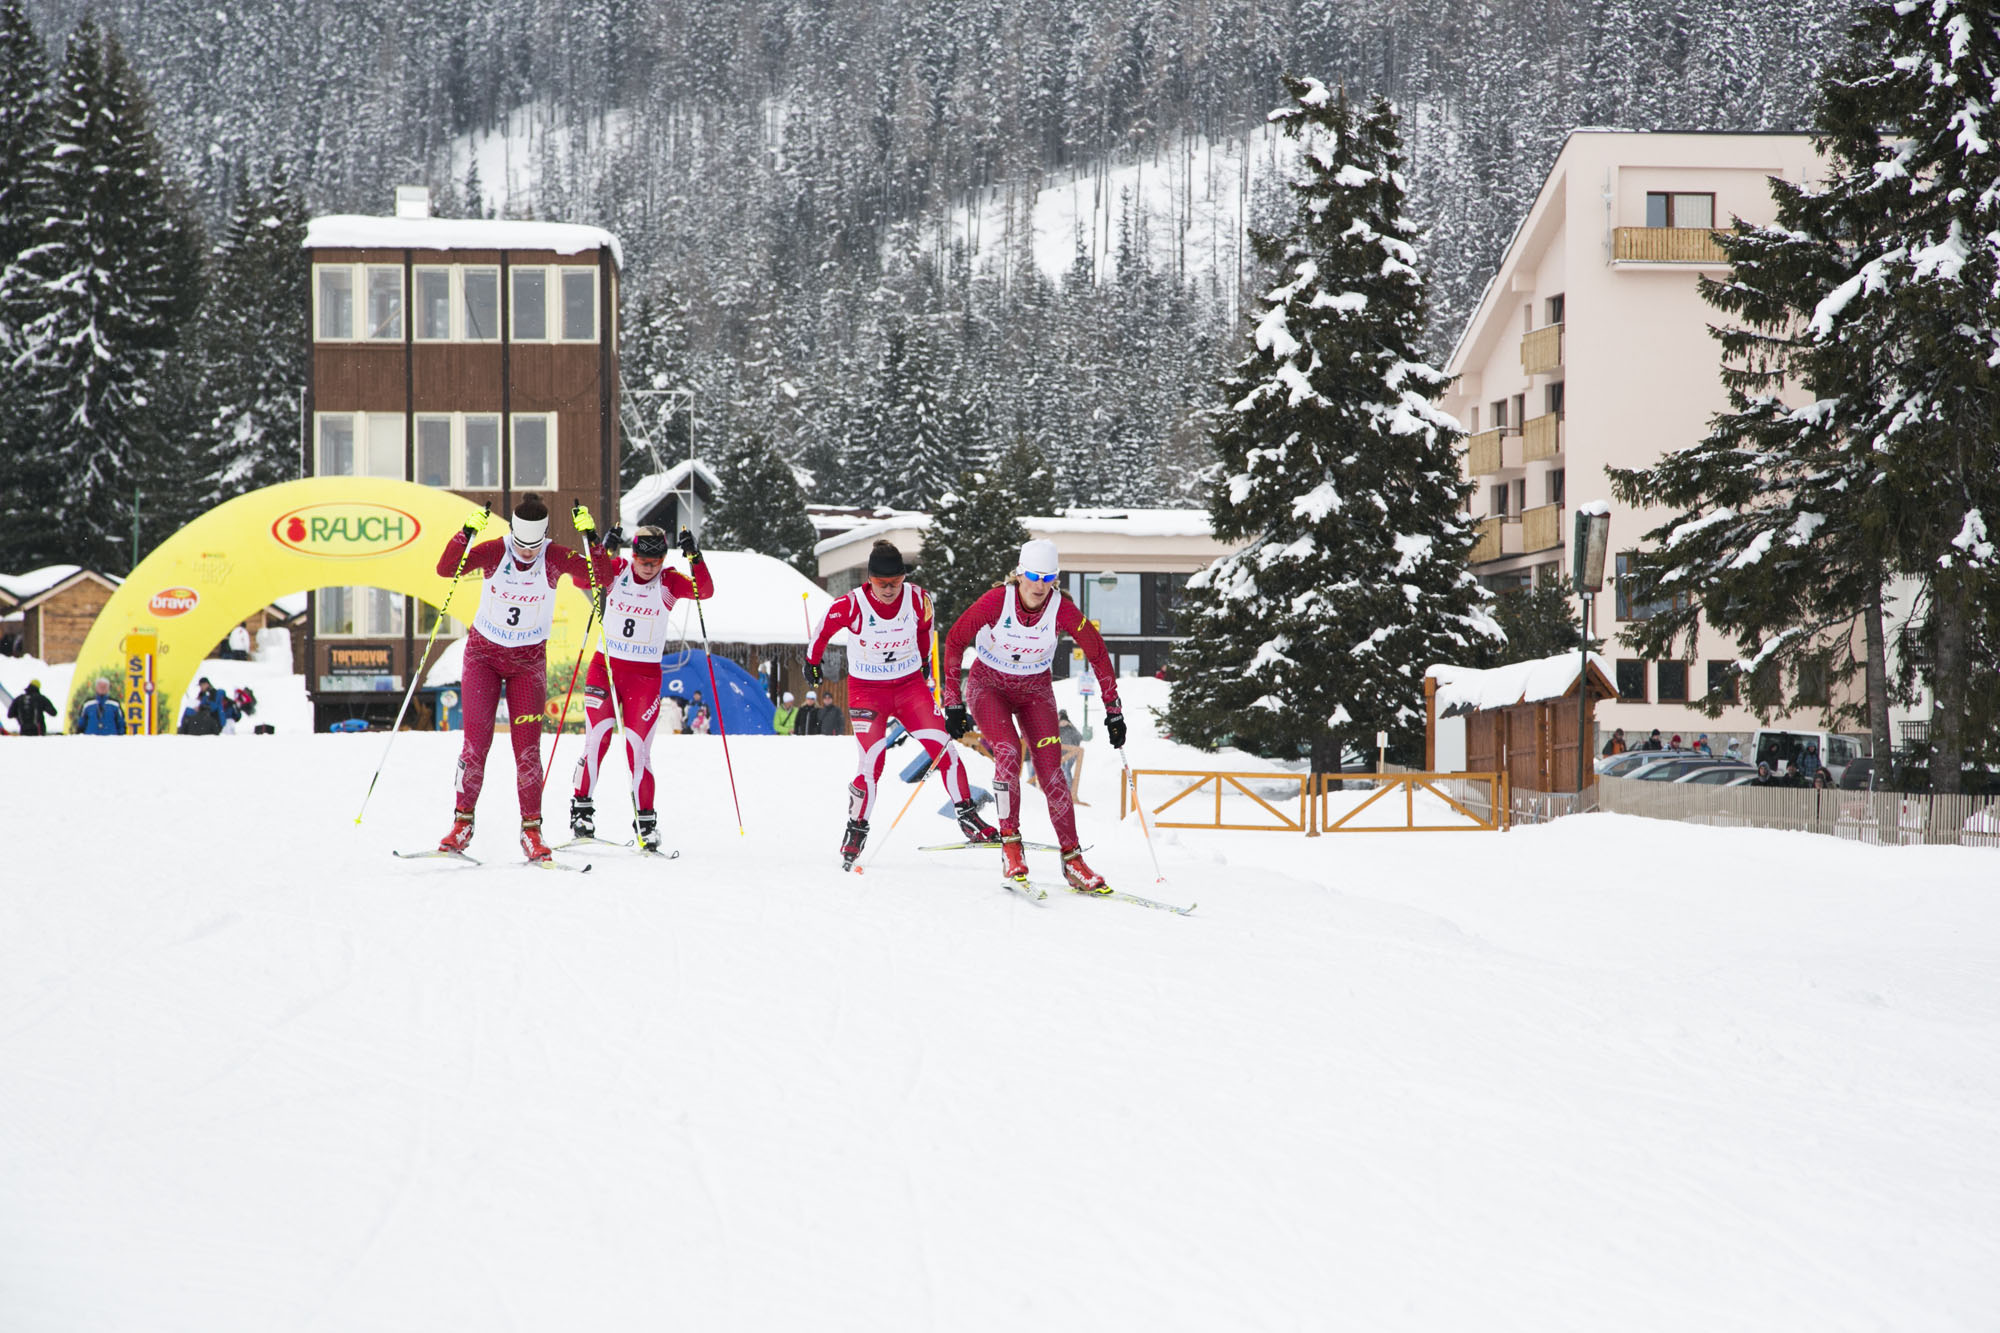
x=348, y=529
x=174, y=601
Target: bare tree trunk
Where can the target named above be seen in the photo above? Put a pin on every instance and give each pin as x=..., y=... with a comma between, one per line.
x=1949, y=599
x=1875, y=674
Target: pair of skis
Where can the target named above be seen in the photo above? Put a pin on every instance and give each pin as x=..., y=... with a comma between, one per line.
x=439, y=854
x=1036, y=892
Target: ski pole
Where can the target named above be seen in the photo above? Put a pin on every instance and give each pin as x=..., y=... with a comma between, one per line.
x=596, y=618
x=1132, y=781
x=720, y=726
x=418, y=675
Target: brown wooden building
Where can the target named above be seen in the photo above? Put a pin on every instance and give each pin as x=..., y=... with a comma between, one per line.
x=49, y=612
x=479, y=356
x=1520, y=719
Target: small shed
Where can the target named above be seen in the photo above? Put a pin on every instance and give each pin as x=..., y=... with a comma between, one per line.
x=54, y=607
x=678, y=498
x=1519, y=719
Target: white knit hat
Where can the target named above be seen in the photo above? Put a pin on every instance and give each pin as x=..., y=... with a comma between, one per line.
x=1039, y=557
x=788, y=696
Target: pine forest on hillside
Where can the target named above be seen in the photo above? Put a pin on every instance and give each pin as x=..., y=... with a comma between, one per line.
x=798, y=187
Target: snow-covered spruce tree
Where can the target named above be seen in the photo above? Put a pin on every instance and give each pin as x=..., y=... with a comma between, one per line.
x=761, y=507
x=1340, y=473
x=24, y=119
x=977, y=532
x=252, y=361
x=96, y=304
x=1876, y=299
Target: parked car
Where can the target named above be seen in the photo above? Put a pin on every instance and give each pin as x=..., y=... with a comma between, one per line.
x=1621, y=765
x=1670, y=766
x=1716, y=775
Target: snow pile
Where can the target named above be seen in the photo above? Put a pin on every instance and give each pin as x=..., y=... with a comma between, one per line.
x=256, y=1075
x=1465, y=689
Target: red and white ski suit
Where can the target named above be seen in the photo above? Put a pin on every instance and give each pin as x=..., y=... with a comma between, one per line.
x=1012, y=685
x=507, y=648
x=887, y=682
x=635, y=640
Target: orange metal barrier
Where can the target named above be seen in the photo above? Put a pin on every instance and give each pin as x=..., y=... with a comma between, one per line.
x=1218, y=782
x=1494, y=820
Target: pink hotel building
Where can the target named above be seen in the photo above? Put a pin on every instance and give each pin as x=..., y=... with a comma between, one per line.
x=1590, y=348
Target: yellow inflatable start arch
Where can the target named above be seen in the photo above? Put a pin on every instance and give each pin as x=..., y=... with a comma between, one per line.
x=322, y=532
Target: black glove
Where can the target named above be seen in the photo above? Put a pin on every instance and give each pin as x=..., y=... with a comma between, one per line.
x=1114, y=727
x=614, y=538
x=688, y=548
x=957, y=721
x=814, y=675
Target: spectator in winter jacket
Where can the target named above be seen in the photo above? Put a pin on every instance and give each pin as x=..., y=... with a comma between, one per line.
x=1616, y=745
x=786, y=718
x=808, y=723
x=31, y=710
x=103, y=716
x=1653, y=741
x=832, y=722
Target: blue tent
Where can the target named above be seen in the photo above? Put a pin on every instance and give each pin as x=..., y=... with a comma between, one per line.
x=746, y=709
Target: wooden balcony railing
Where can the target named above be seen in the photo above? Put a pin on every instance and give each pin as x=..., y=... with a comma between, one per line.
x=1541, y=437
x=1665, y=245
x=1497, y=537
x=1542, y=528
x=1542, y=350
x=1493, y=451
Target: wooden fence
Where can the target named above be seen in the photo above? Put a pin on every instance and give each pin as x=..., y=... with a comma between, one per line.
x=1873, y=817
x=1480, y=798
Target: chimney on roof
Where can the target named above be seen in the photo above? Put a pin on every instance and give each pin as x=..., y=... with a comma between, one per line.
x=413, y=201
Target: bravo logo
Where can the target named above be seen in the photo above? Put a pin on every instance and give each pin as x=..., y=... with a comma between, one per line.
x=173, y=601
x=346, y=529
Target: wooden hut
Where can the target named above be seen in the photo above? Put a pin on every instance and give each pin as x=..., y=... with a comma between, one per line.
x=1519, y=719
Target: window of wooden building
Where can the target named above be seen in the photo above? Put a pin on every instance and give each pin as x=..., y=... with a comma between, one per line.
x=379, y=317
x=574, y=291
x=1632, y=679
x=1673, y=682
x=357, y=612
x=1664, y=209
x=534, y=446
x=358, y=444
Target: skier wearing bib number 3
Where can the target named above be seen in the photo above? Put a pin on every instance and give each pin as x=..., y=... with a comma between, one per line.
x=889, y=670
x=507, y=647
x=1013, y=630
x=637, y=597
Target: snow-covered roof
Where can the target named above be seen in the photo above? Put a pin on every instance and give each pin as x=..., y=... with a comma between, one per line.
x=349, y=231
x=1135, y=522
x=1115, y=522
x=649, y=491
x=36, y=581
x=1466, y=689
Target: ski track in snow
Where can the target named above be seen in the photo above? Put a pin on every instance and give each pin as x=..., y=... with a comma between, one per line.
x=257, y=1075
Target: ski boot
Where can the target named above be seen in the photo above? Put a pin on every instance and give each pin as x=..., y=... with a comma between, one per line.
x=582, y=817
x=850, y=847
x=532, y=845
x=1080, y=876
x=646, y=828
x=1013, y=862
x=460, y=836
x=971, y=825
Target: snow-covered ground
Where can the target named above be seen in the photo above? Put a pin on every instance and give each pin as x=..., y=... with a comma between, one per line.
x=1601, y=1074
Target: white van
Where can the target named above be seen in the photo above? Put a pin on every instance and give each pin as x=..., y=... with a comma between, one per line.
x=1779, y=748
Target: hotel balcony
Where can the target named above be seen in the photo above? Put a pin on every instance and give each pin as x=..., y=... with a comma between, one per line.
x=1541, y=528
x=1498, y=537
x=1542, y=350
x=1665, y=245
x=1542, y=437
x=1493, y=451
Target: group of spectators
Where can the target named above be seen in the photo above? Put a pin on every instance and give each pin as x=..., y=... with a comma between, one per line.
x=816, y=717
x=1617, y=745
x=216, y=711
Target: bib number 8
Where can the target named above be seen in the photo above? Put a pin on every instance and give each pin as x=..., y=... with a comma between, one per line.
x=631, y=627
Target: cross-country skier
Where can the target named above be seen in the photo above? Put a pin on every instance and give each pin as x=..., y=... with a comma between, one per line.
x=638, y=594
x=1013, y=630
x=889, y=667
x=507, y=648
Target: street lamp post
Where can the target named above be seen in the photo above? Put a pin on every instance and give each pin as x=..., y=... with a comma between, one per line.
x=1592, y=535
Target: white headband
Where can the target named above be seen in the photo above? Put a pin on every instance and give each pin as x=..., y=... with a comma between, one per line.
x=530, y=531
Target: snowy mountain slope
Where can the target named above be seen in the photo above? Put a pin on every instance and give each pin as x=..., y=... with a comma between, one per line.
x=1603, y=1074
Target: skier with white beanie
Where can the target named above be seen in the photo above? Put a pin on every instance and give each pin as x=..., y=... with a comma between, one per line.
x=1014, y=631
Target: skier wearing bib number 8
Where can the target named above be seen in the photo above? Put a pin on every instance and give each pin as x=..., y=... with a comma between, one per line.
x=506, y=648
x=1013, y=630
x=889, y=670
x=638, y=594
